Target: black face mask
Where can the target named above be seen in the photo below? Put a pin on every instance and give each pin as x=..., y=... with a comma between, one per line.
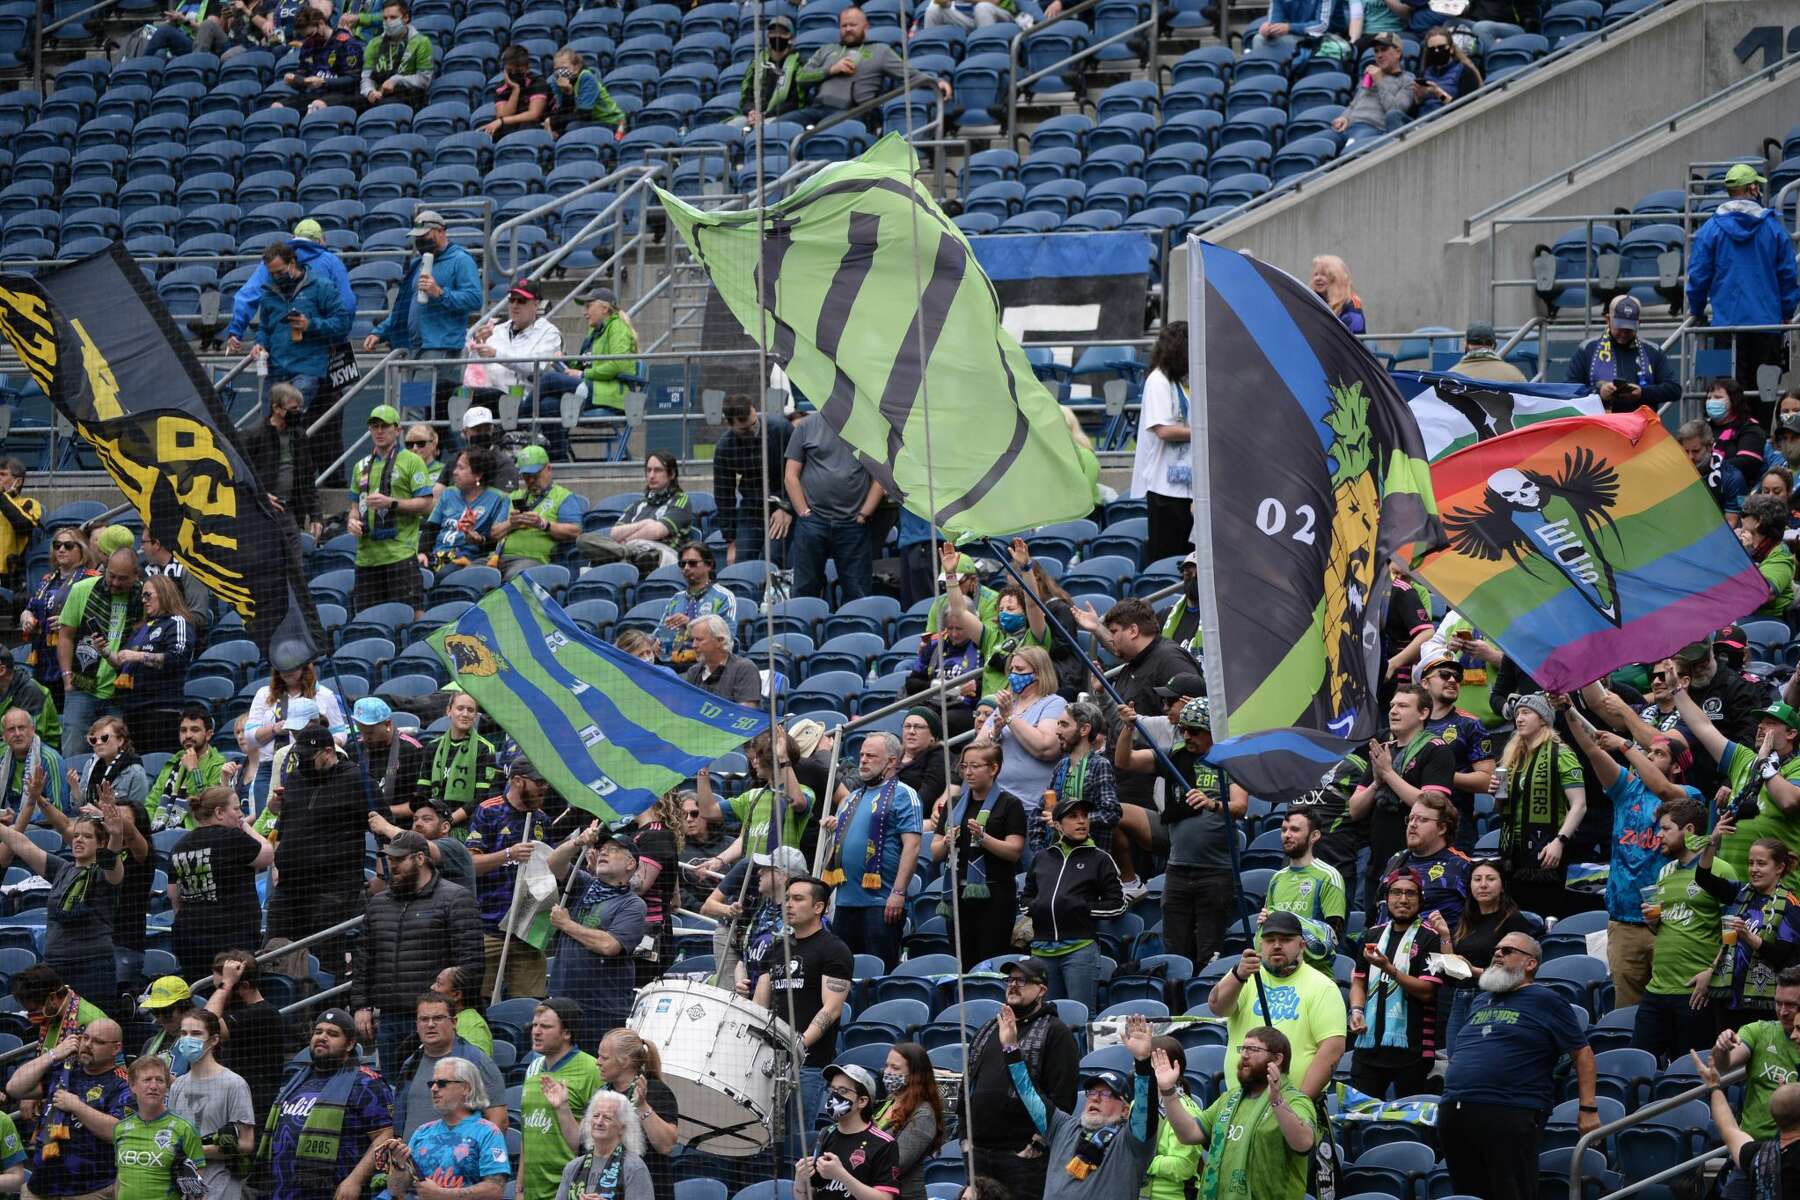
x=1437, y=55
x=287, y=285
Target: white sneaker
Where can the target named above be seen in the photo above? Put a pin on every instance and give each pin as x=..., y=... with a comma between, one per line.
x=1134, y=891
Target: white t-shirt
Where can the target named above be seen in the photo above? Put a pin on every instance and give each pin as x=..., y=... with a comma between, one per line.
x=1159, y=466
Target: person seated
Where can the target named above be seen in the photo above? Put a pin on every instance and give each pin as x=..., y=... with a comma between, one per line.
x=522, y=99
x=330, y=64
x=982, y=13
x=854, y=72
x=225, y=30
x=577, y=98
x=1445, y=73
x=1385, y=97
x=397, y=62
x=594, y=379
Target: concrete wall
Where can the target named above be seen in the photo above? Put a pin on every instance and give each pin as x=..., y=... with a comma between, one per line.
x=1393, y=215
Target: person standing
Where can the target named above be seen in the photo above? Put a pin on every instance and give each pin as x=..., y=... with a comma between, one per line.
x=1306, y=887
x=1541, y=803
x=1276, y=987
x=461, y=1153
x=503, y=833
x=40, y=619
x=1401, y=769
x=874, y=851
x=815, y=979
x=390, y=762
x=1622, y=367
x=300, y=317
x=1471, y=747
x=1499, y=1090
x=19, y=517
x=85, y=1093
x=82, y=901
x=598, y=935
x=460, y=765
x=420, y=924
x=912, y=1112
x=747, y=461
x=322, y=1132
x=212, y=882
x=195, y=766
x=852, y=1158
x=101, y=610
x=439, y=1040
x=1742, y=263
x=612, y=1136
x=1489, y=916
x=155, y=1151
x=216, y=1102
x=391, y=494
x=1768, y=1051
x=432, y=308
x=257, y=1041
x=31, y=771
x=1081, y=774
x=1108, y=1145
x=630, y=1067
x=1672, y=1015
x=1162, y=470
x=1394, y=997
x=1760, y=927
x=1260, y=1132
x=1068, y=887
x=987, y=824
x=831, y=498
x=319, y=856
x=1007, y=1144
x=559, y=1083
x=1636, y=856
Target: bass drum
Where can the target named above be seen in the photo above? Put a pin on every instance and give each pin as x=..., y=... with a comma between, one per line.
x=727, y=1061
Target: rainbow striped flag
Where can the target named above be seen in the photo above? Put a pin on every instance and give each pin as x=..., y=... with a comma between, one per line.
x=1583, y=544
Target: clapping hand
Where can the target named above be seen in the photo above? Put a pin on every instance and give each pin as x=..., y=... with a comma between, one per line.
x=1007, y=1026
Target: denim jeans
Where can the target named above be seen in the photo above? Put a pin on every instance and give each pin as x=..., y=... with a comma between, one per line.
x=306, y=385
x=1668, y=1026
x=816, y=538
x=552, y=387
x=80, y=711
x=1075, y=976
x=866, y=930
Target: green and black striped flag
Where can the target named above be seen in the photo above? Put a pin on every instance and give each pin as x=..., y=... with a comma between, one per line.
x=877, y=311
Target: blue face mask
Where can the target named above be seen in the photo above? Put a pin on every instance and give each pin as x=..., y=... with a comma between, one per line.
x=190, y=1047
x=1716, y=409
x=1018, y=681
x=1011, y=622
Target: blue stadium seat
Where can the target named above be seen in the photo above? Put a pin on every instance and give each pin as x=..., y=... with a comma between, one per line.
x=1112, y=162
x=1060, y=197
x=1123, y=196
x=1239, y=189
x=1265, y=124
x=1001, y=199
x=1519, y=51
x=1199, y=125
x=1301, y=155
x=1207, y=62
x=1235, y=158
x=1049, y=162
x=1070, y=130
x=988, y=166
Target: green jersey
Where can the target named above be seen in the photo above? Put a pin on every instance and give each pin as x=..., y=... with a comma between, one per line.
x=541, y=1142
x=1314, y=892
x=1774, y=1060
x=12, y=1148
x=1739, y=766
x=149, y=1153
x=1255, y=1162
x=472, y=1028
x=389, y=536
x=987, y=607
x=752, y=809
x=74, y=606
x=1687, y=933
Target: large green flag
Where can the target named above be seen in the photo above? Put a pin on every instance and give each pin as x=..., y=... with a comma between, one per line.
x=609, y=732
x=877, y=311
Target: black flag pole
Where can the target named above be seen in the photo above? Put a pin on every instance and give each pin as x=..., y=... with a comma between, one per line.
x=1167, y=765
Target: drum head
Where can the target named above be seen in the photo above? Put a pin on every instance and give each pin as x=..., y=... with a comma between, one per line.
x=718, y=1120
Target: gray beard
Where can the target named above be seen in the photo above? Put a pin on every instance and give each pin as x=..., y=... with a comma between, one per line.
x=1500, y=980
x=1091, y=1121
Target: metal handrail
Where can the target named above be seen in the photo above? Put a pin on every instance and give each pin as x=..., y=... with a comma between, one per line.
x=641, y=177
x=288, y=948
x=1458, y=106
x=38, y=24
x=1666, y=124
x=1655, y=1108
x=1013, y=51
x=914, y=78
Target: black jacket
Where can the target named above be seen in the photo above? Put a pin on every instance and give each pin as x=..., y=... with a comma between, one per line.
x=1159, y=662
x=1067, y=887
x=262, y=444
x=1004, y=1125
x=408, y=938
x=323, y=821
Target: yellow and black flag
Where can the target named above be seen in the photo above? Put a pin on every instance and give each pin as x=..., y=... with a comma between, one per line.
x=99, y=342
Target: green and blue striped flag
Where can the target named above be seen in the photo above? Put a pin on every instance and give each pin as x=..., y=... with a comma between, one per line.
x=608, y=731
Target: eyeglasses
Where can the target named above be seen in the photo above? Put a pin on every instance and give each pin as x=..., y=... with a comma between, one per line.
x=845, y=1093
x=1424, y=820
x=692, y=814
x=97, y=739
x=1504, y=951
x=692, y=562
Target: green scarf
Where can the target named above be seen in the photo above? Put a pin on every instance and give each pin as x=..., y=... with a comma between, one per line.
x=1535, y=811
x=455, y=767
x=1209, y=1179
x=974, y=879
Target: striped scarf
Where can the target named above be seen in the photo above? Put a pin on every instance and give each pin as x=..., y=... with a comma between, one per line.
x=878, y=822
x=34, y=757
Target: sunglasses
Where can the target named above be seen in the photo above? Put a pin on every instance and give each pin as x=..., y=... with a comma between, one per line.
x=64, y=545
x=99, y=739
x=1451, y=675
x=435, y=1084
x=691, y=562
x=418, y=445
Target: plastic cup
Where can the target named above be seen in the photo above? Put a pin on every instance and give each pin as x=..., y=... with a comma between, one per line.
x=1652, y=898
x=1728, y=935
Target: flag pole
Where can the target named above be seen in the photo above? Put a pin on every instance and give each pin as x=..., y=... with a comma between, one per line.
x=1163, y=760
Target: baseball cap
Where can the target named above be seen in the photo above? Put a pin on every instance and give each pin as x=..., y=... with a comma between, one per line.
x=1479, y=331
x=371, y=710
x=1185, y=684
x=1030, y=968
x=440, y=803
x=314, y=737
x=477, y=417
x=531, y=460
x=1113, y=1081
x=311, y=230
x=1192, y=559
x=405, y=844
x=1195, y=714
x=1070, y=804
x=966, y=566
x=781, y=24
x=1693, y=652
x=301, y=713
x=1281, y=922
x=1743, y=175
x=865, y=1082
x=807, y=733
x=337, y=1016
x=1732, y=637
x=384, y=414
x=603, y=294
x=1625, y=312
x=786, y=859
x=424, y=221
x=1390, y=40
x=624, y=841
x=525, y=289
x=1788, y=424
x=166, y=992
x=1787, y=714
x=522, y=769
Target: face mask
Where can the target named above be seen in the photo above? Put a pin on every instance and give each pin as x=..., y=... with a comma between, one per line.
x=1011, y=622
x=836, y=1106
x=1438, y=54
x=190, y=1047
x=1716, y=409
x=893, y=1081
x=1018, y=681
x=393, y=28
